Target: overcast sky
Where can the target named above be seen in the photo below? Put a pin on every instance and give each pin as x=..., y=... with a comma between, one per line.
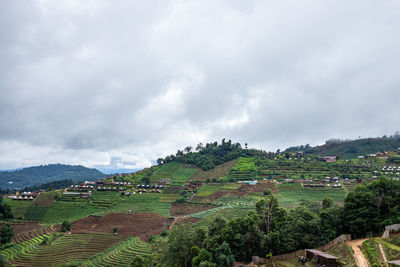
x=117, y=84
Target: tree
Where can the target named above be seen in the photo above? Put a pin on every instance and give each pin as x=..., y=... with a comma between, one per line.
x=159, y=161
x=178, y=251
x=65, y=226
x=224, y=256
x=327, y=202
x=5, y=210
x=6, y=234
x=141, y=261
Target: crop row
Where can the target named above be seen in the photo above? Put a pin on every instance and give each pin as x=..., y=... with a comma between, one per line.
x=76, y=247
x=120, y=254
x=22, y=248
x=25, y=236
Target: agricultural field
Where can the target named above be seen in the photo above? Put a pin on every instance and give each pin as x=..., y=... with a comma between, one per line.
x=18, y=207
x=67, y=248
x=135, y=224
x=120, y=254
x=148, y=202
x=290, y=194
x=215, y=173
x=182, y=175
x=167, y=171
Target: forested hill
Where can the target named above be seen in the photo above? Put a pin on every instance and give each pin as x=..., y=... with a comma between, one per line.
x=352, y=148
x=46, y=173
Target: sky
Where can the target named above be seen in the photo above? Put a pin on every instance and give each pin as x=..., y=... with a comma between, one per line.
x=118, y=84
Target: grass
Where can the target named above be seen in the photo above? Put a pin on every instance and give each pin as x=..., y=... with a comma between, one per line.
x=215, y=173
x=167, y=171
x=344, y=253
x=67, y=211
x=148, y=202
x=291, y=194
x=35, y=213
x=18, y=207
x=182, y=175
x=168, y=198
x=208, y=189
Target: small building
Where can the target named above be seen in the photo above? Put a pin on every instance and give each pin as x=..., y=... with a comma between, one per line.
x=394, y=263
x=321, y=258
x=328, y=159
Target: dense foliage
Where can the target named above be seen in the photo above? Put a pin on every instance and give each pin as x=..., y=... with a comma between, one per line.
x=352, y=148
x=33, y=176
x=6, y=233
x=208, y=156
x=5, y=210
x=273, y=230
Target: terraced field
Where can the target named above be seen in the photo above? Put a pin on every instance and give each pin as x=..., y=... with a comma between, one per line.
x=182, y=175
x=120, y=254
x=32, y=233
x=74, y=247
x=22, y=248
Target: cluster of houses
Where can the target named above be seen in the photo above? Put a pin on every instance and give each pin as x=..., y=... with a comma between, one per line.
x=150, y=186
x=29, y=196
x=165, y=181
x=328, y=181
x=78, y=194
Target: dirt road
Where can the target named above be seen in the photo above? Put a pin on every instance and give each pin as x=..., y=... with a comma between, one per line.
x=358, y=255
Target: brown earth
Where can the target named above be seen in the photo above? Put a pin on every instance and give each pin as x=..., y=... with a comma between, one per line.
x=246, y=189
x=188, y=208
x=186, y=220
x=219, y=171
x=44, y=200
x=22, y=227
x=212, y=197
x=173, y=190
x=142, y=224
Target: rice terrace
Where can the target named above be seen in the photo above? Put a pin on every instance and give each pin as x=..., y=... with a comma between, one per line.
x=135, y=218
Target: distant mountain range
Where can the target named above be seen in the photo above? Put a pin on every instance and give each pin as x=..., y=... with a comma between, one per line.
x=351, y=148
x=33, y=176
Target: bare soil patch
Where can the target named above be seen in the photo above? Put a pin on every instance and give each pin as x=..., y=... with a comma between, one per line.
x=142, y=224
x=188, y=208
x=23, y=227
x=173, y=190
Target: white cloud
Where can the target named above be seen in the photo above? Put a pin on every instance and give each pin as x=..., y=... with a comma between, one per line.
x=119, y=84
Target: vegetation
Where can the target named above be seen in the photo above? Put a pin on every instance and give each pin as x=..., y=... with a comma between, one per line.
x=352, y=148
x=208, y=156
x=33, y=176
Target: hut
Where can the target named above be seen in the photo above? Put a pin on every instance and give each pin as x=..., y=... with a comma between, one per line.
x=321, y=258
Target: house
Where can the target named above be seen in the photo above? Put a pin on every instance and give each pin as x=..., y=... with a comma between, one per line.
x=321, y=258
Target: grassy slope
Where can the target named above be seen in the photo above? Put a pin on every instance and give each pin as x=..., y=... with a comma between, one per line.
x=290, y=194
x=219, y=171
x=167, y=171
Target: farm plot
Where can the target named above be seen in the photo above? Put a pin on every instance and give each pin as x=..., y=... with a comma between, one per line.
x=120, y=254
x=46, y=199
x=188, y=208
x=215, y=173
x=68, y=211
x=208, y=189
x=166, y=171
x=136, y=224
x=18, y=207
x=22, y=248
x=182, y=175
x=29, y=234
x=67, y=248
x=148, y=202
x=169, y=198
x=291, y=194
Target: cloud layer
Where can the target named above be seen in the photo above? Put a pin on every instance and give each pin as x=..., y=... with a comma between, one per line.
x=118, y=84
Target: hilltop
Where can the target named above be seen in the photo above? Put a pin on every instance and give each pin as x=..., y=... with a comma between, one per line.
x=351, y=148
x=33, y=176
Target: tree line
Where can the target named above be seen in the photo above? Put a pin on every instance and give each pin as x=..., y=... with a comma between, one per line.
x=270, y=229
x=209, y=155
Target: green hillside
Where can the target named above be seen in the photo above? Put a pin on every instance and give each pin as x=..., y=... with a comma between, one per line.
x=33, y=176
x=352, y=148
